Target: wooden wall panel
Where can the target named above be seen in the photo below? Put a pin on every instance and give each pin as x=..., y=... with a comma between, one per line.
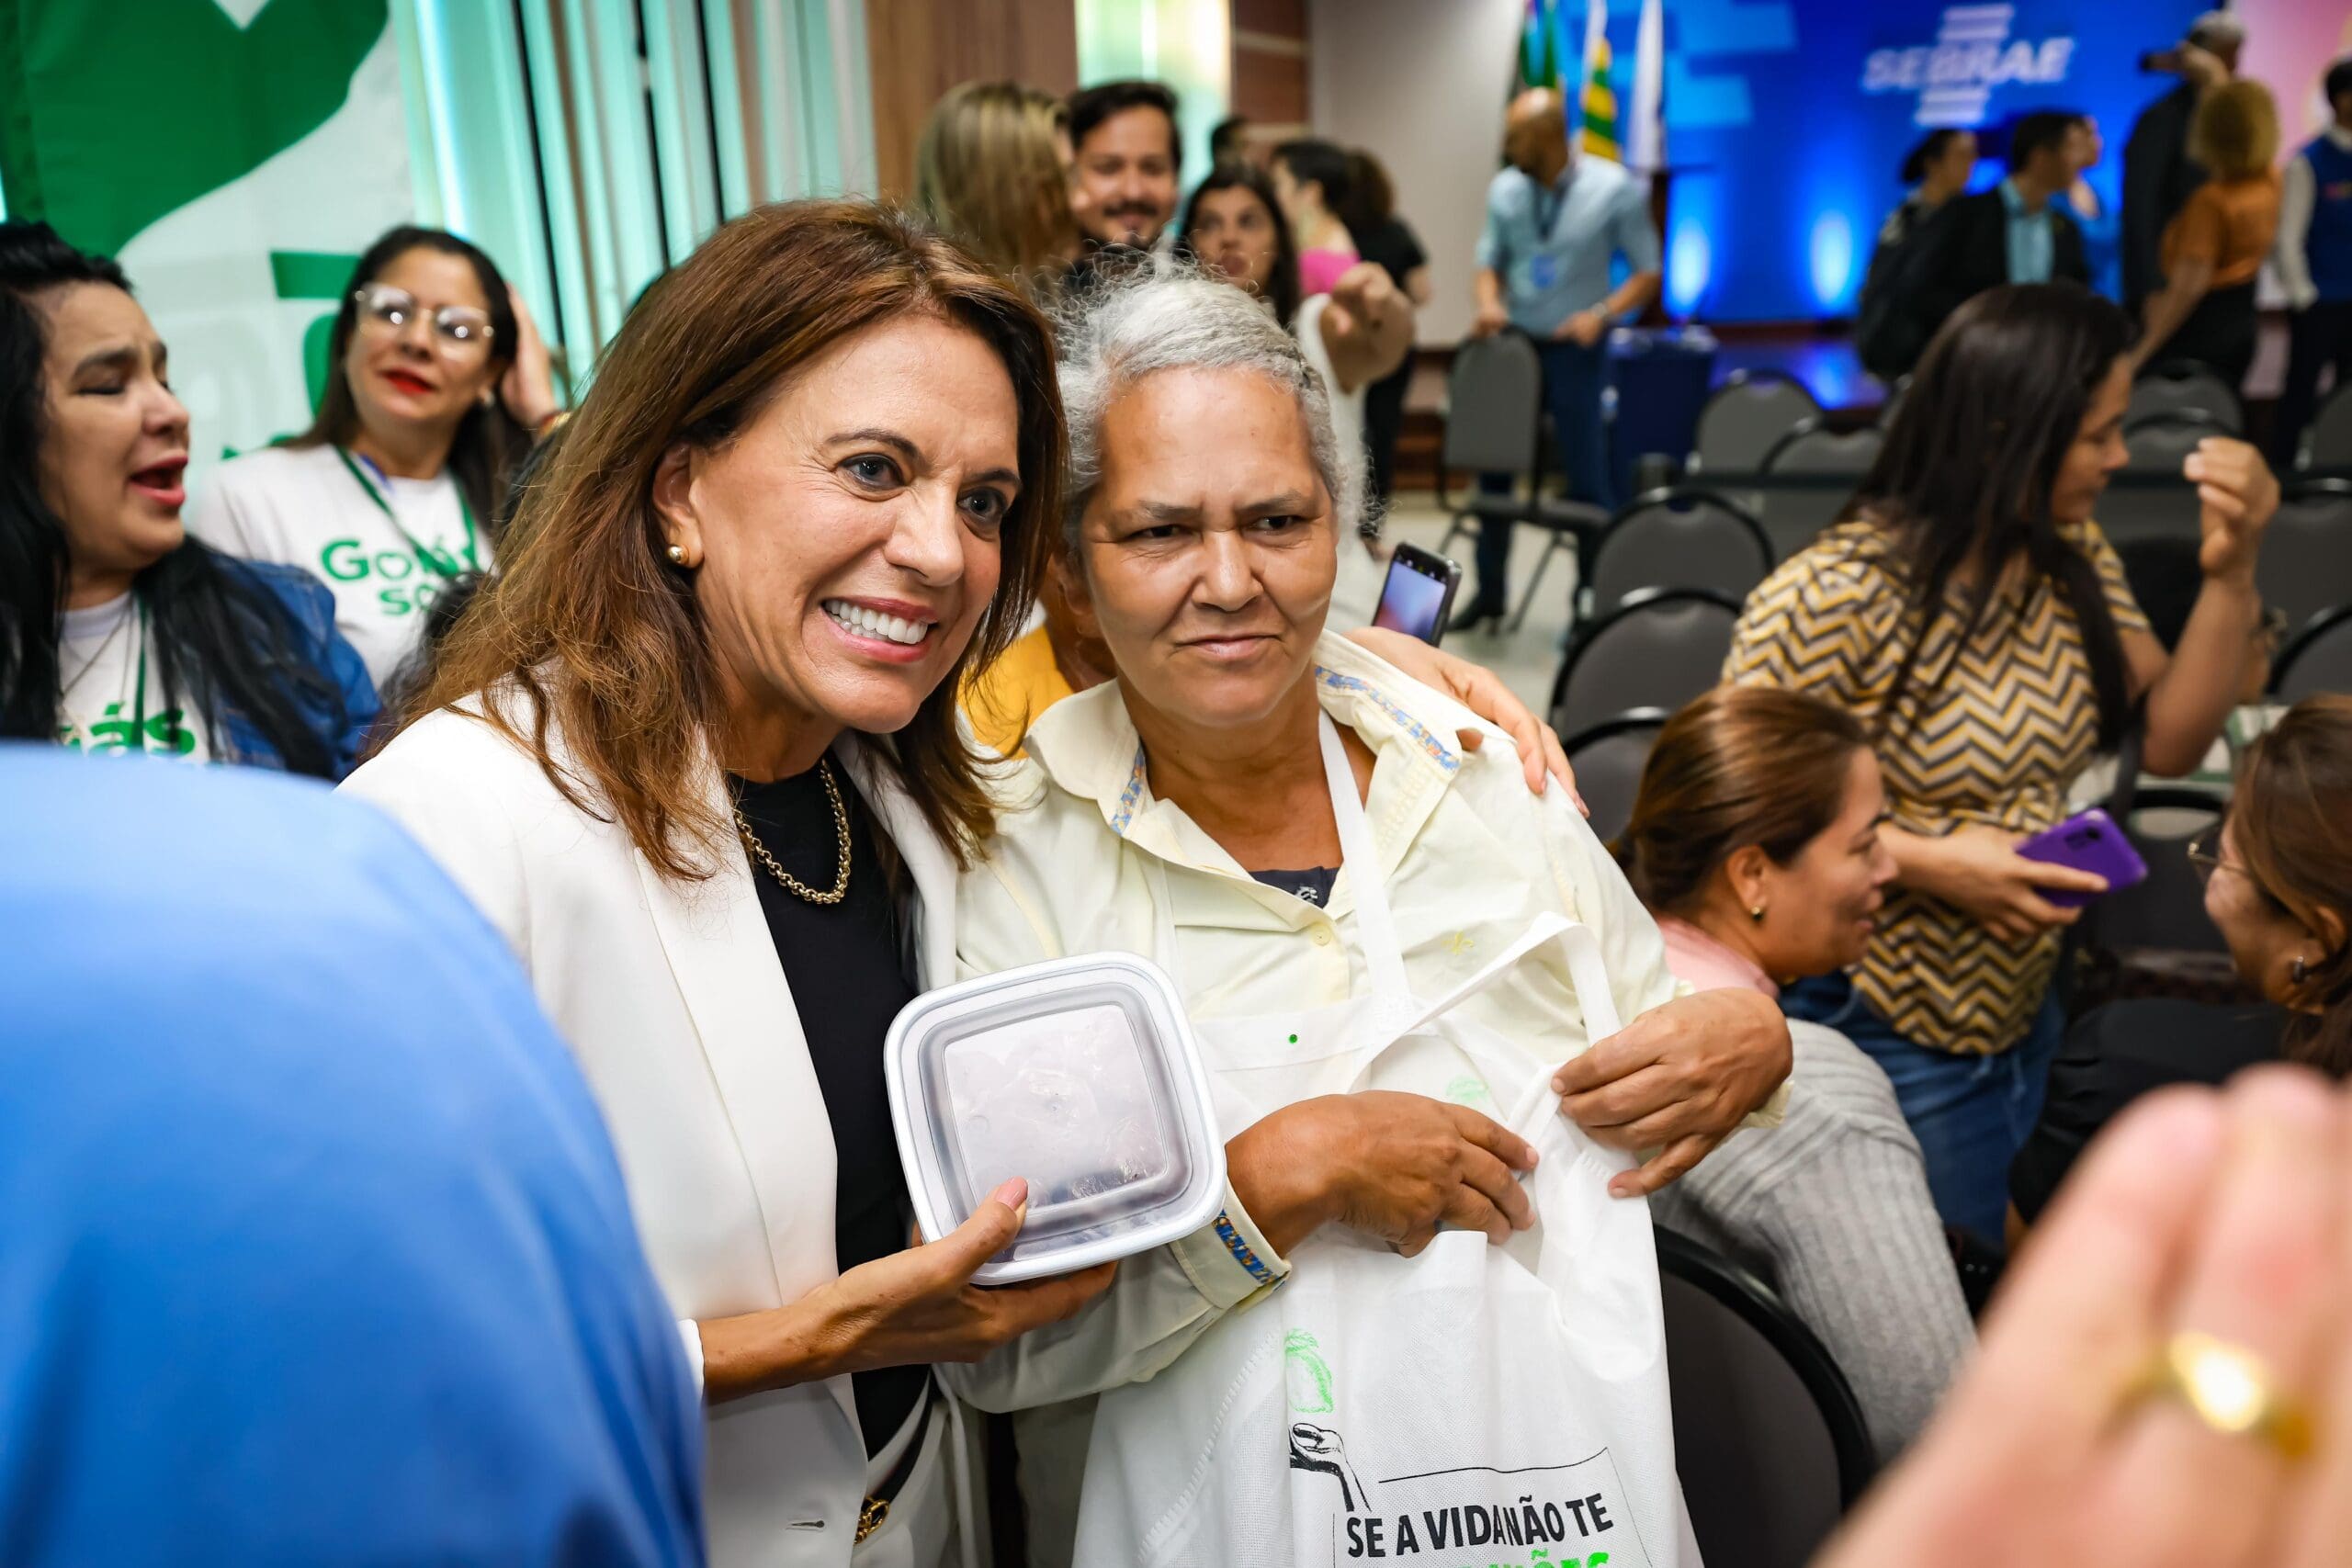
x=1269, y=67
x=918, y=48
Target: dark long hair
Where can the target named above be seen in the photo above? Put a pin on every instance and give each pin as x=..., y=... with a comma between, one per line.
x=1966, y=474
x=219, y=635
x=490, y=441
x=1283, y=287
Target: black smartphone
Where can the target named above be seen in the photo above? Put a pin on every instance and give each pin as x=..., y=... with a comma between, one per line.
x=1418, y=594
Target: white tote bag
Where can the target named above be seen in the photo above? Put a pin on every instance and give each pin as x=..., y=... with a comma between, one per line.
x=1472, y=1405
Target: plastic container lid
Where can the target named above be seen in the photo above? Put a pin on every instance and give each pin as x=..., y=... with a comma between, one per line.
x=1079, y=1075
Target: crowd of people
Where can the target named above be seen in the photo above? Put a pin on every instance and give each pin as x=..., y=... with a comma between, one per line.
x=2205, y=205
x=913, y=597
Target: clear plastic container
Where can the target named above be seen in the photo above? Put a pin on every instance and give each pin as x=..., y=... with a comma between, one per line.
x=1079, y=1075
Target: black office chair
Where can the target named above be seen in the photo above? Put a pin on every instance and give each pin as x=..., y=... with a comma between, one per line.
x=1813, y=448
x=2184, y=388
x=2327, y=445
x=1679, y=538
x=2305, y=567
x=1608, y=760
x=1493, y=422
x=1660, y=649
x=1744, y=416
x=2166, y=912
x=2160, y=443
x=2318, y=660
x=1769, y=1440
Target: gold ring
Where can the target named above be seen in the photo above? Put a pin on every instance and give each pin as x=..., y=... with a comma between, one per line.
x=2229, y=1389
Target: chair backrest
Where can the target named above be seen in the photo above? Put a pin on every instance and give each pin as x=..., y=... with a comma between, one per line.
x=1493, y=395
x=1608, y=760
x=1660, y=649
x=1794, y=508
x=1679, y=538
x=2306, y=561
x=2188, y=390
x=2161, y=443
x=2328, y=443
x=1813, y=448
x=2318, y=660
x=1769, y=1441
x=2148, y=506
x=2166, y=911
x=1744, y=416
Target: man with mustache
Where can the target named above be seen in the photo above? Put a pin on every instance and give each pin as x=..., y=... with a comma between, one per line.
x=1123, y=134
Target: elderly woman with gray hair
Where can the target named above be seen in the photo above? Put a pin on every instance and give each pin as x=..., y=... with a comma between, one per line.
x=1286, y=824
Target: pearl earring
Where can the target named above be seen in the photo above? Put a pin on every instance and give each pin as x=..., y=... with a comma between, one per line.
x=1755, y=913
x=2298, y=971
x=677, y=555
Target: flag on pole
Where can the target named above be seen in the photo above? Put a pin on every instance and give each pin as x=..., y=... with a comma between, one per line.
x=1646, y=136
x=1600, y=135
x=1539, y=54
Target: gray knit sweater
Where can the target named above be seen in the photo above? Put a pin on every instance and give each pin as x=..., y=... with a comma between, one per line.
x=1831, y=1208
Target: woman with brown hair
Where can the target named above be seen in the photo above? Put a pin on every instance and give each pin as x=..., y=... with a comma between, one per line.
x=992, y=171
x=2279, y=884
x=2213, y=248
x=695, y=752
x=1755, y=843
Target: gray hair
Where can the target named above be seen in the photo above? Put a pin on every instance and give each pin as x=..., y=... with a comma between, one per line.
x=1173, y=316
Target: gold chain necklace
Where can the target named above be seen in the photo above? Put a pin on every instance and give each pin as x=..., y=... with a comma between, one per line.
x=792, y=883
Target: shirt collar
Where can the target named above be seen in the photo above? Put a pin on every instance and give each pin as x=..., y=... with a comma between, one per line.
x=2013, y=200
x=1087, y=745
x=1707, y=965
x=2340, y=135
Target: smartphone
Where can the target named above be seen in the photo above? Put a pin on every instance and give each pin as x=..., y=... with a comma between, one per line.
x=2090, y=841
x=1418, y=594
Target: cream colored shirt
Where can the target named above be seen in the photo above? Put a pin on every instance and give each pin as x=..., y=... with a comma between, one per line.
x=1469, y=859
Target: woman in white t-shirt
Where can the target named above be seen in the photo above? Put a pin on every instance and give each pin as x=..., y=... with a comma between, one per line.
x=436, y=389
x=118, y=633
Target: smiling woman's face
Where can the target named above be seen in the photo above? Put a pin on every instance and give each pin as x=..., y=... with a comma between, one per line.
x=845, y=545
x=1208, y=551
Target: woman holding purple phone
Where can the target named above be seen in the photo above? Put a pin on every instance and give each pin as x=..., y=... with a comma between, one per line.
x=1968, y=610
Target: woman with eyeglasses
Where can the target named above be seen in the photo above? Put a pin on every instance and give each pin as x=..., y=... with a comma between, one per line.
x=2278, y=875
x=436, y=386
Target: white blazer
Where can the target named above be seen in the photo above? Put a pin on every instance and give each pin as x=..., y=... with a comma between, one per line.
x=674, y=1000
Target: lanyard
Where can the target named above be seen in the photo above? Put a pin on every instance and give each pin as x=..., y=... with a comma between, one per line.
x=437, y=561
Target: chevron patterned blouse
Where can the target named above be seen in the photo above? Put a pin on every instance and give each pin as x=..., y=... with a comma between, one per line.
x=2012, y=722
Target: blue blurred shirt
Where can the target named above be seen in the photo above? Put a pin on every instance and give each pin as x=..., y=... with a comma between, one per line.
x=2032, y=247
x=1553, y=245
x=314, y=1247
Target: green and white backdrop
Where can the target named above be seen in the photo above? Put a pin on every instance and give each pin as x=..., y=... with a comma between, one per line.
x=236, y=155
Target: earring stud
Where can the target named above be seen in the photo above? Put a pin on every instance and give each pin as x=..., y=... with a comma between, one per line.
x=2298, y=971
x=677, y=555
x=1755, y=913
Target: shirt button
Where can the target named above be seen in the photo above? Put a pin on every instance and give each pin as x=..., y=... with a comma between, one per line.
x=1322, y=936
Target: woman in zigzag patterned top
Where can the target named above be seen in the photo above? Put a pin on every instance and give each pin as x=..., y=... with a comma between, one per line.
x=1968, y=609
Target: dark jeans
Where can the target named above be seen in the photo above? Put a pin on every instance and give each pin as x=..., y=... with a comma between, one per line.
x=1573, y=380
x=1970, y=1115
x=2316, y=338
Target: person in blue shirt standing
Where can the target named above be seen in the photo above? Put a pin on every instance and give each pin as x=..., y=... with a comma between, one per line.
x=316, y=1250
x=1556, y=225
x=2101, y=221
x=2314, y=255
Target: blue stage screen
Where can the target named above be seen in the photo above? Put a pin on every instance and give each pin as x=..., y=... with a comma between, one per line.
x=1786, y=121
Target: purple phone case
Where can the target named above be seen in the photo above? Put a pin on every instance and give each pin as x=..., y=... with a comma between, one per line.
x=2090, y=841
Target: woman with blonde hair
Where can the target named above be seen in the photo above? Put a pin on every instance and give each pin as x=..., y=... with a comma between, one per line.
x=992, y=172
x=2214, y=246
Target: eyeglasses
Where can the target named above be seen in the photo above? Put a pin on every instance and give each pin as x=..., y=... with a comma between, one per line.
x=459, y=330
x=2205, y=853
